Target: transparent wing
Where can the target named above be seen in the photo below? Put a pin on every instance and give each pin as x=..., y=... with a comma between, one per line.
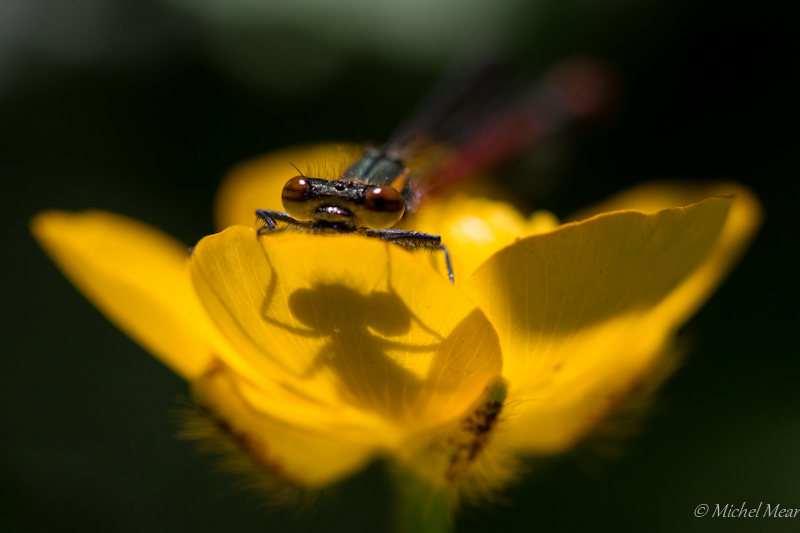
x=482, y=114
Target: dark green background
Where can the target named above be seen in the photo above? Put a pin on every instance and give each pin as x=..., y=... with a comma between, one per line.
x=148, y=128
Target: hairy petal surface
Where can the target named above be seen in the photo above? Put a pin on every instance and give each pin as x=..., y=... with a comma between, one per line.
x=136, y=275
x=354, y=327
x=300, y=456
x=582, y=312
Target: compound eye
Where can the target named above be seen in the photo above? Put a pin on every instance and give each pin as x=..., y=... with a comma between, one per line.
x=383, y=208
x=295, y=198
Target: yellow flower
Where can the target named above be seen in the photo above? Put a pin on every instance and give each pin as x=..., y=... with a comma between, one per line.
x=319, y=354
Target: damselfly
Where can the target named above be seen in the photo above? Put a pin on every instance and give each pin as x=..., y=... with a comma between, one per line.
x=468, y=122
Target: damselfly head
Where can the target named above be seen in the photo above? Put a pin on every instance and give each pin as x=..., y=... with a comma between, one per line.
x=344, y=205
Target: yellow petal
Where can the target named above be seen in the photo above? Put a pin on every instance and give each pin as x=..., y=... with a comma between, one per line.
x=300, y=456
x=656, y=196
x=257, y=184
x=137, y=277
x=582, y=312
x=359, y=329
x=743, y=221
x=473, y=229
x=448, y=455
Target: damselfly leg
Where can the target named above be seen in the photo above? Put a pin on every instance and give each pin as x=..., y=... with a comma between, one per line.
x=410, y=240
x=267, y=219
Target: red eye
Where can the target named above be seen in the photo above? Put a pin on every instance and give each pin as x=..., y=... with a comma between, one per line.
x=295, y=198
x=295, y=190
x=384, y=200
x=383, y=207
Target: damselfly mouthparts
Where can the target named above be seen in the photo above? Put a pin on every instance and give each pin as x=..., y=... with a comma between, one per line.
x=470, y=121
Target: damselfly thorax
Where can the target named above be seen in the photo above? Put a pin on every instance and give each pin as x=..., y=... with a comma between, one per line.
x=467, y=123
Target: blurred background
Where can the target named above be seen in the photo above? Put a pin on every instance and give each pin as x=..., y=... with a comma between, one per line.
x=140, y=106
